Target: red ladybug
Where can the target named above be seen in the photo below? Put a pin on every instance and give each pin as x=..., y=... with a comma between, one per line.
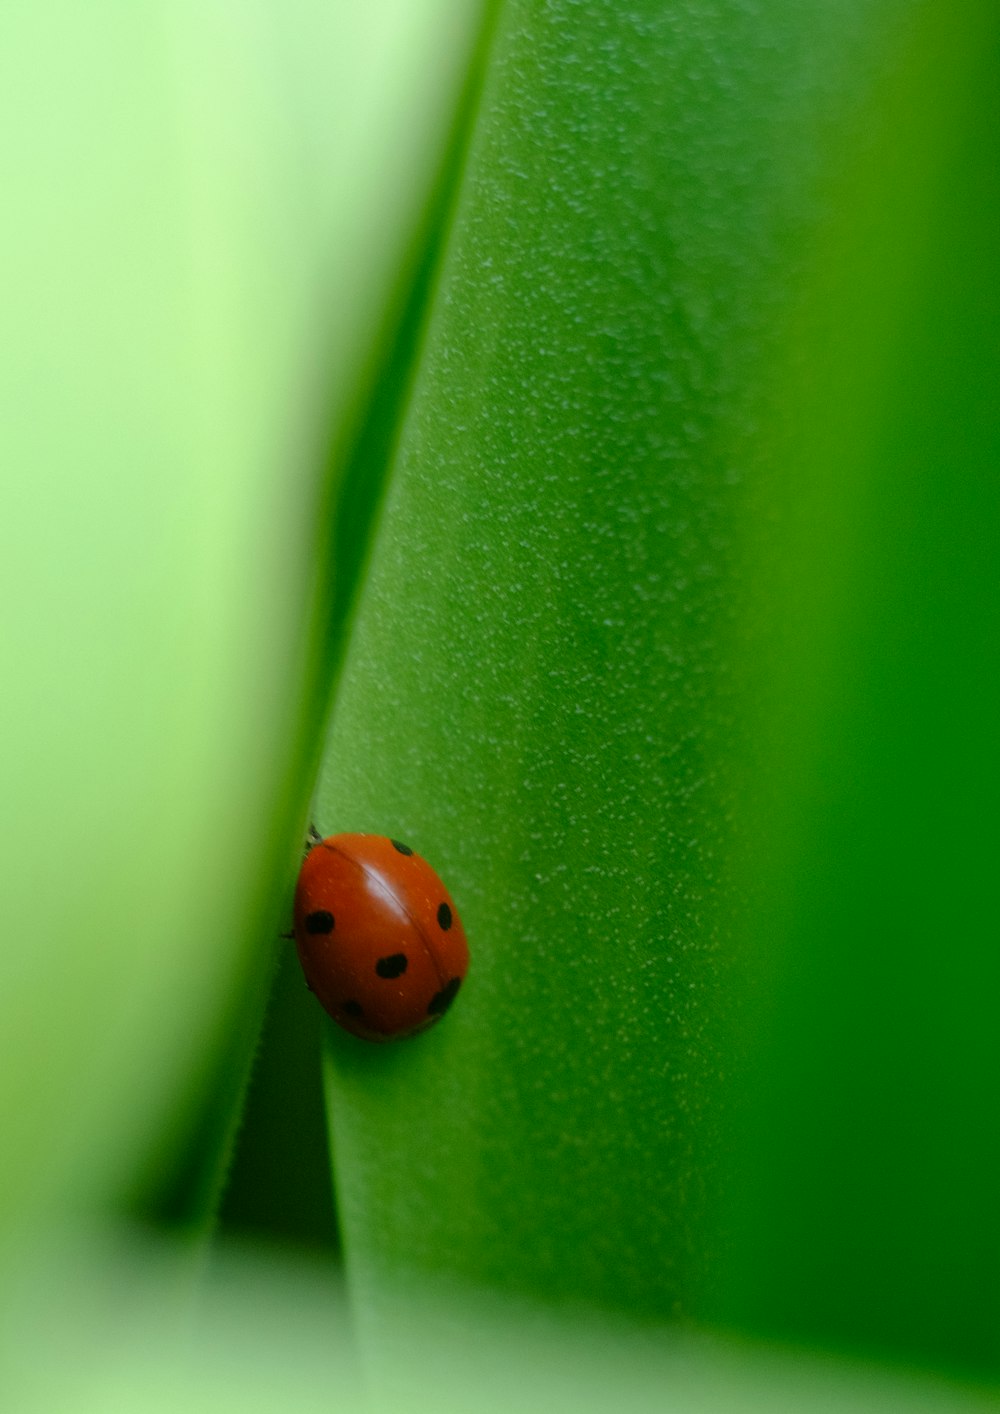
x=378, y=936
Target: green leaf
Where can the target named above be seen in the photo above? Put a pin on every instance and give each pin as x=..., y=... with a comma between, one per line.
x=537, y=696
x=563, y=686
x=271, y=1334
x=861, y=1202
x=206, y=211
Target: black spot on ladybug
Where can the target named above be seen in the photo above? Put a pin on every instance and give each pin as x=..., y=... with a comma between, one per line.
x=442, y=1000
x=400, y=847
x=319, y=922
x=444, y=916
x=393, y=966
x=353, y=1008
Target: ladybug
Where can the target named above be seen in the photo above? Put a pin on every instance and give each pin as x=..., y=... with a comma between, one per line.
x=378, y=936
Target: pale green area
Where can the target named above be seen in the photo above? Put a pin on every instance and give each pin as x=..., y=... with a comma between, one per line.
x=268, y=1334
x=204, y=209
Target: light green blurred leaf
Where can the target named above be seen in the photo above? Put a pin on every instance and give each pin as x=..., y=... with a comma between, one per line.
x=206, y=212
x=107, y=1326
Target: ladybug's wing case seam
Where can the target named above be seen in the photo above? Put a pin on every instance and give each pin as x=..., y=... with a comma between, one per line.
x=378, y=883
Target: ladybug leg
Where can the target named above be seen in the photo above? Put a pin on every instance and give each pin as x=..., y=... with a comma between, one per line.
x=313, y=838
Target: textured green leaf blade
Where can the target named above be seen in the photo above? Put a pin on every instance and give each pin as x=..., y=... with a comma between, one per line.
x=539, y=694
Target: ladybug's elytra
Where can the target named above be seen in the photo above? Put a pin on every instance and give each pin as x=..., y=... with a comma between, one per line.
x=378, y=936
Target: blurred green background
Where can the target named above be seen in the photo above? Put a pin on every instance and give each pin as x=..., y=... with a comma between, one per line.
x=563, y=438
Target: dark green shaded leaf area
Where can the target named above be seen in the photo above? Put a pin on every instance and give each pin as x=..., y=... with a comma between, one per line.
x=275, y=1184
x=569, y=684
x=862, y=1192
